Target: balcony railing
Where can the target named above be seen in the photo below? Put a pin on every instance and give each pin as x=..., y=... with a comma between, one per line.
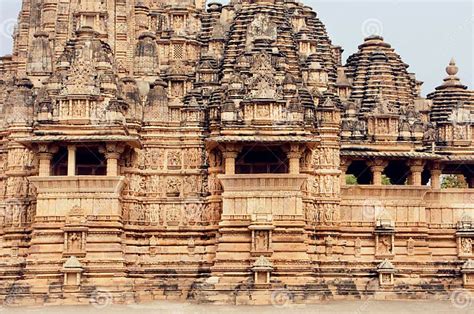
x=94, y=195
x=254, y=194
x=406, y=205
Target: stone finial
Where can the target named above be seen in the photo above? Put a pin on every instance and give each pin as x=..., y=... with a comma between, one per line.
x=374, y=38
x=452, y=69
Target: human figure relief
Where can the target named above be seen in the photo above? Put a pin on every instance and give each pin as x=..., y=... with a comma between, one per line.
x=74, y=242
x=385, y=245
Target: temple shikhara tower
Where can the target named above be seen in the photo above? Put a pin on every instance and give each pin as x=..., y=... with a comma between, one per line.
x=181, y=150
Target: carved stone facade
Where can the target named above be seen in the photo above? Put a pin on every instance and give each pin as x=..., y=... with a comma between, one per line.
x=171, y=150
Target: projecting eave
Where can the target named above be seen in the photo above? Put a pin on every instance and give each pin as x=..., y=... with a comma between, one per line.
x=411, y=155
x=133, y=141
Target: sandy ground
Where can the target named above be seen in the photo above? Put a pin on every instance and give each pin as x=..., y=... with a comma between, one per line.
x=332, y=307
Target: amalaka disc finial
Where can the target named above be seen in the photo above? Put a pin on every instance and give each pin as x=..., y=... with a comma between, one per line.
x=452, y=69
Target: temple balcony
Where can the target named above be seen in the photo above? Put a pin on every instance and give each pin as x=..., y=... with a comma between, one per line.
x=406, y=206
x=78, y=176
x=384, y=192
x=277, y=195
x=95, y=195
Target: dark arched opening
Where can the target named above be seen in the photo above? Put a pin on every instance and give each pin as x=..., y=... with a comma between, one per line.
x=90, y=162
x=59, y=163
x=359, y=170
x=261, y=159
x=397, y=172
x=425, y=176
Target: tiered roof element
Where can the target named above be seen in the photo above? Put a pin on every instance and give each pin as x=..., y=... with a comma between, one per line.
x=377, y=71
x=269, y=52
x=452, y=101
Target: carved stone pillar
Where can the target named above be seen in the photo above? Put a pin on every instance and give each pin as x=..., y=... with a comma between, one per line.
x=112, y=153
x=71, y=160
x=45, y=164
x=230, y=154
x=436, y=172
x=377, y=167
x=294, y=155
x=416, y=168
x=45, y=155
x=343, y=167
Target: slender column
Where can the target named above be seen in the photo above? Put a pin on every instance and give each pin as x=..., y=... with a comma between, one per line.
x=229, y=157
x=45, y=155
x=416, y=168
x=112, y=164
x=45, y=164
x=343, y=167
x=112, y=152
x=294, y=156
x=416, y=175
x=230, y=154
x=377, y=167
x=435, y=178
x=71, y=160
x=436, y=171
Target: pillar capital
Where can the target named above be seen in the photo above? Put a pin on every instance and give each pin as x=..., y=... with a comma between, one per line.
x=46, y=148
x=231, y=149
x=416, y=168
x=294, y=154
x=230, y=152
x=436, y=166
x=345, y=162
x=377, y=164
x=112, y=152
x=416, y=164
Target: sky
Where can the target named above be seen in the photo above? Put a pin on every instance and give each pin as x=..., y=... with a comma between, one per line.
x=426, y=33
